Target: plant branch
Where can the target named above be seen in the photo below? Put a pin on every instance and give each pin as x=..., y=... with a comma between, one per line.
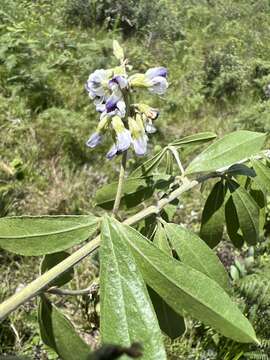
x=42, y=282
x=120, y=184
x=93, y=288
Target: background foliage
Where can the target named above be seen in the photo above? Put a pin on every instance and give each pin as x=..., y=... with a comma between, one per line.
x=218, y=56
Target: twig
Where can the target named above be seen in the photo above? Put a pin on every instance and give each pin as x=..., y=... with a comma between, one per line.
x=93, y=288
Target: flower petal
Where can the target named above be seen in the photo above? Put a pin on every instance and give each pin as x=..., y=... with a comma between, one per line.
x=140, y=145
x=112, y=152
x=156, y=71
x=123, y=140
x=94, y=140
x=158, y=85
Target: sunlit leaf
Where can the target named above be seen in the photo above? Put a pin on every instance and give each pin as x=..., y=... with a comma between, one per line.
x=40, y=235
x=193, y=251
x=230, y=149
x=148, y=166
x=161, y=241
x=196, y=138
x=263, y=174
x=185, y=289
x=127, y=315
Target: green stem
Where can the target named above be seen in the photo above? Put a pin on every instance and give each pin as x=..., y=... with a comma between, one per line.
x=120, y=184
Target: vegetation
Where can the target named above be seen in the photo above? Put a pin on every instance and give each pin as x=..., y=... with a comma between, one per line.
x=217, y=54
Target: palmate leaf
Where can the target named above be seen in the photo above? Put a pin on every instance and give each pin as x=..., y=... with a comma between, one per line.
x=41, y=235
x=232, y=224
x=169, y=321
x=213, y=217
x=263, y=175
x=185, y=289
x=58, y=333
x=149, y=166
x=195, y=139
x=194, y=252
x=248, y=212
x=127, y=315
x=230, y=149
x=135, y=190
x=50, y=261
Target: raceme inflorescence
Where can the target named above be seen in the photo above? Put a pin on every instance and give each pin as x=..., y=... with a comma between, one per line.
x=128, y=123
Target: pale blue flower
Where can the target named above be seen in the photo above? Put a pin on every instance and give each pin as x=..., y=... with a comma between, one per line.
x=94, y=140
x=117, y=82
x=115, y=105
x=140, y=145
x=156, y=80
x=112, y=152
x=95, y=83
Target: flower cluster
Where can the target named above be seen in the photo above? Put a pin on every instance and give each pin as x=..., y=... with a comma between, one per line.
x=111, y=91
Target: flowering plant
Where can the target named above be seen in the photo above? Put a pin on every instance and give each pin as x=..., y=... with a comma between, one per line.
x=153, y=272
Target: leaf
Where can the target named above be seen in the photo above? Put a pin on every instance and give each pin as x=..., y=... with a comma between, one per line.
x=263, y=175
x=213, y=217
x=196, y=138
x=41, y=235
x=118, y=51
x=230, y=149
x=240, y=169
x=50, y=261
x=58, y=333
x=127, y=315
x=247, y=212
x=161, y=241
x=185, y=289
x=232, y=224
x=135, y=191
x=194, y=252
x=148, y=166
x=171, y=323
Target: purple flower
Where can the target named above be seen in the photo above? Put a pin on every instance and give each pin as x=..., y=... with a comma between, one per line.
x=94, y=140
x=156, y=80
x=115, y=105
x=150, y=127
x=156, y=71
x=140, y=145
x=112, y=152
x=118, y=81
x=123, y=140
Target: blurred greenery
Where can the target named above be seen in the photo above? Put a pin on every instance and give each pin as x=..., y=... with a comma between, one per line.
x=217, y=53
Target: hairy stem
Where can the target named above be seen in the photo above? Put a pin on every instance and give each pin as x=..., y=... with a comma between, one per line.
x=120, y=183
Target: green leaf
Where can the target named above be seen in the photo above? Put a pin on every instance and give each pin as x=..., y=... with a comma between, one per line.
x=148, y=166
x=171, y=323
x=227, y=151
x=193, y=251
x=213, y=217
x=196, y=138
x=41, y=235
x=185, y=289
x=161, y=241
x=127, y=315
x=247, y=212
x=232, y=224
x=58, y=333
x=50, y=261
x=135, y=191
x=240, y=169
x=263, y=174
